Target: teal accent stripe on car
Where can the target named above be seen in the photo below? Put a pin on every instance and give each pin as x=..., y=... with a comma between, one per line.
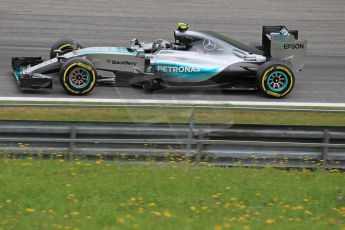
x=193, y=71
x=17, y=73
x=118, y=51
x=107, y=52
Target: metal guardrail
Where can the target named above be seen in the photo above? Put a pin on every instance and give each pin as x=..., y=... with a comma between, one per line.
x=245, y=145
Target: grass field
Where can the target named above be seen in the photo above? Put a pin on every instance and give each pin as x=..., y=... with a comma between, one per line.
x=58, y=194
x=172, y=115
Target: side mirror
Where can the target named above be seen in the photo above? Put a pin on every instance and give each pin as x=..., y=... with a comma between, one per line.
x=60, y=58
x=58, y=52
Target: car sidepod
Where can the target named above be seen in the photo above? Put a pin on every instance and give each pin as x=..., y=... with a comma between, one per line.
x=189, y=67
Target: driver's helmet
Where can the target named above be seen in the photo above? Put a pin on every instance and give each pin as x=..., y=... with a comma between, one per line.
x=182, y=26
x=160, y=44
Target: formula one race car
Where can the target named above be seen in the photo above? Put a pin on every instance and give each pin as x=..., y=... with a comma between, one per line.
x=194, y=59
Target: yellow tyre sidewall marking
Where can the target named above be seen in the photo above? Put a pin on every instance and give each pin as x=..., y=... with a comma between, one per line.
x=286, y=70
x=64, y=46
x=264, y=78
x=92, y=83
x=83, y=66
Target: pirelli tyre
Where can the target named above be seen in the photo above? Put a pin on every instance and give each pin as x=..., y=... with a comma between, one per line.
x=275, y=79
x=78, y=76
x=63, y=46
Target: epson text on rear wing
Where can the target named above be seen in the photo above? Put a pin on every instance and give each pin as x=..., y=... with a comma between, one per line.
x=284, y=45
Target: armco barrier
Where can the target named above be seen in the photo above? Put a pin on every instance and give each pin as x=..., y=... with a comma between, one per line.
x=245, y=145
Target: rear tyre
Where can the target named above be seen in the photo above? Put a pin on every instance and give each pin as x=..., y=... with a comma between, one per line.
x=65, y=46
x=275, y=80
x=78, y=76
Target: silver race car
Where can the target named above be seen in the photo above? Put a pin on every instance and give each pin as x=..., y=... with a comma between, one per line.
x=194, y=59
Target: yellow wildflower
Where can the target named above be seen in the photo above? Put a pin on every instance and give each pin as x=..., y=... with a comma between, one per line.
x=308, y=212
x=193, y=208
x=167, y=214
x=217, y=195
x=204, y=208
x=270, y=221
x=30, y=210
x=120, y=220
x=227, y=225
x=298, y=207
x=218, y=227
x=152, y=205
x=157, y=213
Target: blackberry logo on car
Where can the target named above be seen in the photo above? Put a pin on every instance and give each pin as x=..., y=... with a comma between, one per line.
x=115, y=62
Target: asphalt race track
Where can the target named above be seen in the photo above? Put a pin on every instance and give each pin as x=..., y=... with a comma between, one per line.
x=28, y=28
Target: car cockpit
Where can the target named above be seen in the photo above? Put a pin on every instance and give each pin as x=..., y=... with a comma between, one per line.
x=182, y=42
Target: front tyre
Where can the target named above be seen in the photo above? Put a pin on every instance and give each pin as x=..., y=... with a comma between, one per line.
x=63, y=46
x=275, y=80
x=78, y=76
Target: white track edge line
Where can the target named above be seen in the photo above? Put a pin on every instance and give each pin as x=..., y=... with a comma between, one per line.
x=177, y=102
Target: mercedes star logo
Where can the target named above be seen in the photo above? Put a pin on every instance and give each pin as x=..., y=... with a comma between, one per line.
x=209, y=44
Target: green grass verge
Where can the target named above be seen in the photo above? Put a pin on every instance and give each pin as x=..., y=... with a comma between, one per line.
x=171, y=115
x=53, y=194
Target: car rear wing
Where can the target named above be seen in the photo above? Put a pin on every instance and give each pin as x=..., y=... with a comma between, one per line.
x=282, y=44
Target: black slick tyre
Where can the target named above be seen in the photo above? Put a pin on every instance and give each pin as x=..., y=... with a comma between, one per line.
x=64, y=46
x=78, y=76
x=275, y=79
